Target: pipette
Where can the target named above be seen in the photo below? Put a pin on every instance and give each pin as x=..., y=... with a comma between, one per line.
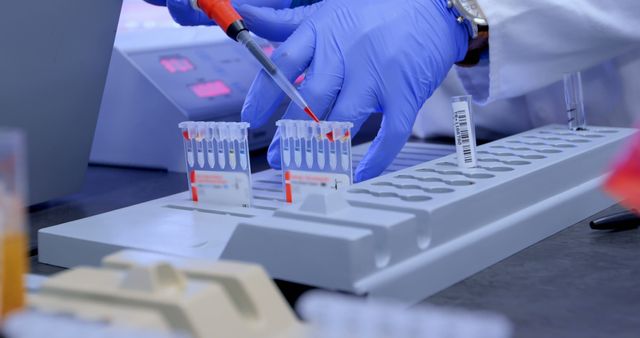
x=223, y=13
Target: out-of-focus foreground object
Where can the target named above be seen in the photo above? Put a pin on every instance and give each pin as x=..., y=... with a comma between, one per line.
x=38, y=324
x=171, y=295
x=624, y=182
x=339, y=316
x=13, y=237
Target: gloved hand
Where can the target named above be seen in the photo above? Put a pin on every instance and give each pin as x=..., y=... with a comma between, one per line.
x=363, y=57
x=157, y=2
x=257, y=14
x=183, y=13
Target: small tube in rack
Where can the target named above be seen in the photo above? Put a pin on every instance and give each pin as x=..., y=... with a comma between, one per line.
x=574, y=101
x=464, y=131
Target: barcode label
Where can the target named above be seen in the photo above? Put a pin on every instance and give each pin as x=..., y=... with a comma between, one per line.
x=464, y=134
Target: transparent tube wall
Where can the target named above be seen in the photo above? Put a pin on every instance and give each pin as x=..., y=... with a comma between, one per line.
x=13, y=237
x=574, y=101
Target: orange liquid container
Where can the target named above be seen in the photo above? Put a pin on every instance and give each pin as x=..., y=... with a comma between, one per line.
x=12, y=270
x=13, y=237
x=13, y=256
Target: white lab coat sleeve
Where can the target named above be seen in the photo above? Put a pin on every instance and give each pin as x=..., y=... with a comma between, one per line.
x=533, y=42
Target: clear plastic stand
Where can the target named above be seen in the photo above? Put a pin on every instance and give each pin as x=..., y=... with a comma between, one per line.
x=217, y=160
x=310, y=161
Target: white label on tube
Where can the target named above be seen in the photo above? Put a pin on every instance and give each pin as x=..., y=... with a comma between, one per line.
x=464, y=134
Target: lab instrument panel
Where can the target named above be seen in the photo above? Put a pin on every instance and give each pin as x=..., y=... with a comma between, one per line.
x=161, y=75
x=149, y=92
x=206, y=82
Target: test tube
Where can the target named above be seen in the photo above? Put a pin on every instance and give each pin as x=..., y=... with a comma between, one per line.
x=285, y=143
x=297, y=142
x=13, y=237
x=574, y=101
x=229, y=138
x=320, y=132
x=345, y=146
x=243, y=142
x=464, y=131
x=309, y=139
x=211, y=158
x=187, y=135
x=219, y=137
x=201, y=130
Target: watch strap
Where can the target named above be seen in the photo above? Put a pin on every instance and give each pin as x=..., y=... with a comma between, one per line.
x=477, y=47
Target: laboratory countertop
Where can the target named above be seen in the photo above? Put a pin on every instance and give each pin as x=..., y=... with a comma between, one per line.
x=577, y=283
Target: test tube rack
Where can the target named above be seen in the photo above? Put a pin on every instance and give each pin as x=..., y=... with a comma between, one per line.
x=170, y=296
x=406, y=234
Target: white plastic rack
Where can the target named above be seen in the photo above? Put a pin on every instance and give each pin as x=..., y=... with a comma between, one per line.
x=421, y=227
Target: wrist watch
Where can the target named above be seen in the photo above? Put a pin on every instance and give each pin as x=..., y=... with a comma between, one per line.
x=470, y=13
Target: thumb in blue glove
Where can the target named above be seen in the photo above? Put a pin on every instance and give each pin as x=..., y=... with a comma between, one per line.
x=363, y=57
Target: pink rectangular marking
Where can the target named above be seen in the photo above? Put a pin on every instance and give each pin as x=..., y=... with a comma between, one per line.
x=210, y=89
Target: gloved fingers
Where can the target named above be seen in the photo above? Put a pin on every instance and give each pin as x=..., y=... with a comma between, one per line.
x=185, y=15
x=292, y=57
x=157, y=2
x=275, y=24
x=273, y=153
x=355, y=104
x=257, y=3
x=277, y=4
x=395, y=129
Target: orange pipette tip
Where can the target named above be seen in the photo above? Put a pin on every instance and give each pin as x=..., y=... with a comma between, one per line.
x=311, y=114
x=317, y=120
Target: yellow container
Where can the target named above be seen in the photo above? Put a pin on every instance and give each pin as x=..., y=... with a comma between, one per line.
x=13, y=236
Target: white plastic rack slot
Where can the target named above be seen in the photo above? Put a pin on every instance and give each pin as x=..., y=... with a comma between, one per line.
x=406, y=234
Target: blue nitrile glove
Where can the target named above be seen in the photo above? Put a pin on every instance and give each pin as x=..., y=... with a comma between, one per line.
x=362, y=57
x=251, y=11
x=157, y=2
x=185, y=15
